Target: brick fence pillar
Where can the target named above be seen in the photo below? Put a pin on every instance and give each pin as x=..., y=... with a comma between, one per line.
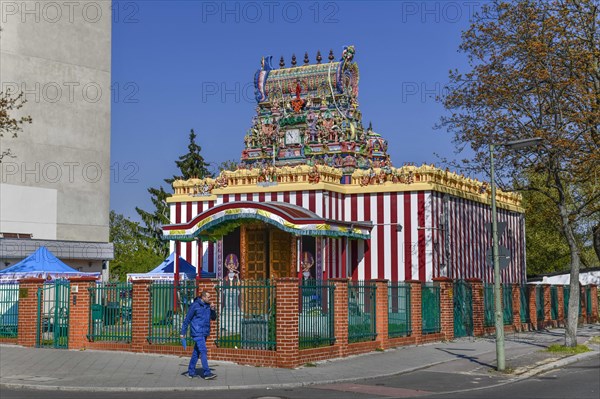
x=79, y=312
x=287, y=294
x=582, y=303
x=516, y=306
x=381, y=310
x=140, y=314
x=547, y=306
x=478, y=309
x=560, y=297
x=532, y=307
x=28, y=289
x=446, y=306
x=594, y=316
x=341, y=316
x=416, y=317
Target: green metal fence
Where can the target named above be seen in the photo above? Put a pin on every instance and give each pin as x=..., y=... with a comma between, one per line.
x=316, y=314
x=566, y=295
x=524, y=299
x=539, y=303
x=588, y=301
x=53, y=310
x=110, y=312
x=507, y=310
x=430, y=308
x=554, y=302
x=362, y=305
x=9, y=310
x=488, y=305
x=247, y=315
x=166, y=313
x=463, y=308
x=399, y=321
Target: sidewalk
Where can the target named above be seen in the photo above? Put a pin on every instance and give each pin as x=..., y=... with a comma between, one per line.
x=122, y=371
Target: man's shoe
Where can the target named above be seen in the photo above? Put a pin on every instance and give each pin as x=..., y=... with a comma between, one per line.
x=210, y=376
x=191, y=376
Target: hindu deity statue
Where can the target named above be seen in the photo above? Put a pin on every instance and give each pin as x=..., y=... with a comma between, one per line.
x=307, y=263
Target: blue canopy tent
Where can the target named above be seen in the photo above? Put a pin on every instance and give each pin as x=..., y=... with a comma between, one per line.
x=166, y=271
x=43, y=264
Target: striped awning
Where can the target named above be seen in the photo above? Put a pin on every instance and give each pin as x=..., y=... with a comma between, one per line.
x=287, y=217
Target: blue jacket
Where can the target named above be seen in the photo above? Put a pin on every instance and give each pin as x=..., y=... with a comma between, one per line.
x=198, y=316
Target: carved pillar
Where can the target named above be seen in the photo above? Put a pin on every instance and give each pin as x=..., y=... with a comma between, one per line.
x=243, y=251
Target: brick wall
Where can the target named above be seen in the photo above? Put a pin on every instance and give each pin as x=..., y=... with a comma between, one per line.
x=287, y=353
x=287, y=322
x=446, y=307
x=478, y=307
x=28, y=289
x=582, y=303
x=560, y=293
x=532, y=307
x=382, y=313
x=516, y=306
x=594, y=317
x=341, y=317
x=79, y=311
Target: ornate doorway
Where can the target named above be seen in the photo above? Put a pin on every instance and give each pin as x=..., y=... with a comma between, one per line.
x=267, y=253
x=280, y=244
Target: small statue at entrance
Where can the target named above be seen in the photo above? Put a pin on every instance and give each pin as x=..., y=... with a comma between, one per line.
x=307, y=263
x=232, y=264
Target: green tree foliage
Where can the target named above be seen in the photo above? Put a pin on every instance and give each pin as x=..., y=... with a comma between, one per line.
x=191, y=165
x=535, y=72
x=547, y=248
x=133, y=252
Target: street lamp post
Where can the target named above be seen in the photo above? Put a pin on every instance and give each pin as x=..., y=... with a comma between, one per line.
x=498, y=316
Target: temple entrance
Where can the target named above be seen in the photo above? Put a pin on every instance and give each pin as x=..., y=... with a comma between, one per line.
x=266, y=252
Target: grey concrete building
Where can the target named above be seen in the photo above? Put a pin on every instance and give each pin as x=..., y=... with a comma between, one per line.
x=55, y=189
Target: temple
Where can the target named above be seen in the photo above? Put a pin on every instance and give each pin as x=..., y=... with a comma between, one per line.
x=315, y=195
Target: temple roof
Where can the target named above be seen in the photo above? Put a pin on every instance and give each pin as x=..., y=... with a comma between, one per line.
x=310, y=115
x=217, y=221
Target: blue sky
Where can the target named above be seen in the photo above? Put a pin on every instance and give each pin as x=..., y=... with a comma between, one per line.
x=178, y=65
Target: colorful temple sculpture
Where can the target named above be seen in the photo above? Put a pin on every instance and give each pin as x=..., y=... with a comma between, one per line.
x=316, y=196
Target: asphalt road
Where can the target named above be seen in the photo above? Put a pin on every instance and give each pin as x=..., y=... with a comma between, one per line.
x=580, y=380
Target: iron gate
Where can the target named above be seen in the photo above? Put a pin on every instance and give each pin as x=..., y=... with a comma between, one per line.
x=463, y=309
x=52, y=329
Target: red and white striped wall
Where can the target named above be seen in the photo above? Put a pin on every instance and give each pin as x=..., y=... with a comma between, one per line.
x=417, y=235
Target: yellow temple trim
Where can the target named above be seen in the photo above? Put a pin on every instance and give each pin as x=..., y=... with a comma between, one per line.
x=308, y=178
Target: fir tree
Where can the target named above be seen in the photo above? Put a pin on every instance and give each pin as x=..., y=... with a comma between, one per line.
x=191, y=165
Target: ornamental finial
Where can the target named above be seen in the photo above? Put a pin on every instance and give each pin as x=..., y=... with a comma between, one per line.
x=331, y=57
x=319, y=58
x=281, y=62
x=293, y=60
x=306, y=60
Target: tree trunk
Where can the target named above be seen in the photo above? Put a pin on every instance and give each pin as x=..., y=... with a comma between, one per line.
x=573, y=315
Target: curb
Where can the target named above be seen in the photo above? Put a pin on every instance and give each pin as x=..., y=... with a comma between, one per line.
x=204, y=387
x=538, y=370
x=528, y=374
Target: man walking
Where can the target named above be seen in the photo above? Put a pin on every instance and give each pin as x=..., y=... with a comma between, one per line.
x=199, y=316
